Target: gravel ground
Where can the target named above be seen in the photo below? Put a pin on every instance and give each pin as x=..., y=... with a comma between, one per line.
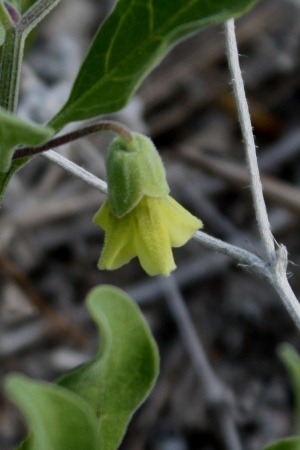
x=50, y=247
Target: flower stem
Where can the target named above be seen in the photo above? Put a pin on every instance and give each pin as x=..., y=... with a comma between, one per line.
x=76, y=170
x=105, y=125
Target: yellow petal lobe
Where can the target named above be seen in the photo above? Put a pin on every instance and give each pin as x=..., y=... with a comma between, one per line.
x=152, y=240
x=181, y=224
x=149, y=231
x=119, y=239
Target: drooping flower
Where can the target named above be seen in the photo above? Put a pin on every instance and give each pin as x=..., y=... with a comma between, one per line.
x=139, y=217
x=149, y=231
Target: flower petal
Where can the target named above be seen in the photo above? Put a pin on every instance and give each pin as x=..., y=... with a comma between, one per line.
x=119, y=246
x=180, y=224
x=102, y=217
x=148, y=231
x=151, y=238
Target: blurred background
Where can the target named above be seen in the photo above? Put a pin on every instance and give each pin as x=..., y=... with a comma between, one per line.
x=49, y=246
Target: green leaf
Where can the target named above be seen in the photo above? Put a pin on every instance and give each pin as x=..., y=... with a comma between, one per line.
x=116, y=382
x=291, y=443
x=58, y=418
x=291, y=360
x=90, y=407
x=132, y=40
x=14, y=132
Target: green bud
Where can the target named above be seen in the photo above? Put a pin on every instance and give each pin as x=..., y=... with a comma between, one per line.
x=134, y=169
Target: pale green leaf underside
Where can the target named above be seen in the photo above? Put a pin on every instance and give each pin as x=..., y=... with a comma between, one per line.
x=131, y=41
x=90, y=407
x=120, y=377
x=291, y=443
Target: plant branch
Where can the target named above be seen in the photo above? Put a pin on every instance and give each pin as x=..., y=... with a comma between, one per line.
x=12, y=54
x=217, y=396
x=280, y=283
x=246, y=128
x=76, y=170
x=248, y=260
x=276, y=261
x=276, y=278
x=105, y=125
x=35, y=14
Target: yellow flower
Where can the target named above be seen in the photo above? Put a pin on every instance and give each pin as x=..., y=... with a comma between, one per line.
x=148, y=231
x=139, y=217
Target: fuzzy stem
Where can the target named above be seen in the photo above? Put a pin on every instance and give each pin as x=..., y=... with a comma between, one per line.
x=12, y=53
x=276, y=261
x=10, y=69
x=246, y=127
x=35, y=14
x=76, y=170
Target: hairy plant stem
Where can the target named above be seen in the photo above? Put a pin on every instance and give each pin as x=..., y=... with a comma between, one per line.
x=11, y=61
x=76, y=170
x=105, y=125
x=246, y=128
x=12, y=53
x=276, y=262
x=35, y=14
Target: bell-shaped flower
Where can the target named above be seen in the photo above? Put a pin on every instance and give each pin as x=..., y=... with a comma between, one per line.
x=148, y=231
x=139, y=217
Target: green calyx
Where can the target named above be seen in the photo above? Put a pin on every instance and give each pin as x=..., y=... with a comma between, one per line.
x=134, y=169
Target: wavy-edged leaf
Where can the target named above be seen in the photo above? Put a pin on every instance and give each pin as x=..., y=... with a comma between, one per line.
x=291, y=443
x=58, y=418
x=14, y=132
x=131, y=41
x=90, y=407
x=120, y=377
